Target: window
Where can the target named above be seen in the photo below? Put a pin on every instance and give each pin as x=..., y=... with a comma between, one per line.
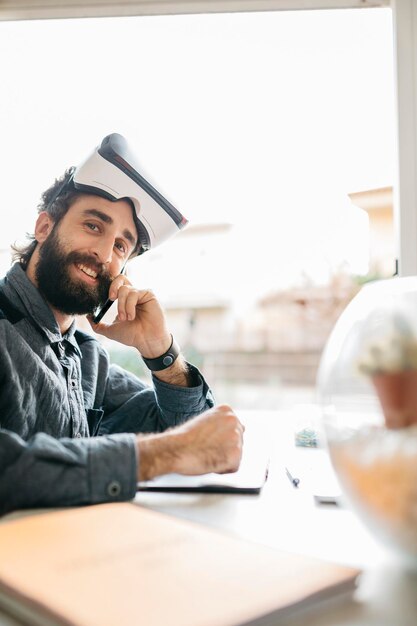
x=263, y=127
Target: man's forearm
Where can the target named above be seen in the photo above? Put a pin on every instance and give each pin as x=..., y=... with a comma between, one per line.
x=157, y=455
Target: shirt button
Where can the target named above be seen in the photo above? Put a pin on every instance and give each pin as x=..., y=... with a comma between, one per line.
x=114, y=488
x=78, y=436
x=73, y=383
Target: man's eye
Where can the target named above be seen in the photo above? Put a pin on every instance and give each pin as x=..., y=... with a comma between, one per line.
x=93, y=227
x=120, y=246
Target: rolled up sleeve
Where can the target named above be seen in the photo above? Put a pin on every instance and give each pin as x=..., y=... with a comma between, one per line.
x=132, y=406
x=178, y=404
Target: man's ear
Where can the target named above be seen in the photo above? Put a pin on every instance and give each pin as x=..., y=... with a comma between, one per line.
x=43, y=227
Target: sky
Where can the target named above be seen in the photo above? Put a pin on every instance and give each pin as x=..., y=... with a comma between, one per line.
x=264, y=120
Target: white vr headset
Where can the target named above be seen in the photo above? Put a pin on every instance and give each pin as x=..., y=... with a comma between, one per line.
x=111, y=171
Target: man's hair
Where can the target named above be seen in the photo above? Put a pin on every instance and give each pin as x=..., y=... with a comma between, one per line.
x=56, y=207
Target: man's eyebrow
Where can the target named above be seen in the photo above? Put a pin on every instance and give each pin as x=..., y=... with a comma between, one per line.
x=109, y=220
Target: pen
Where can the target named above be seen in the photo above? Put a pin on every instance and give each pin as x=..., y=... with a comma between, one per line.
x=295, y=481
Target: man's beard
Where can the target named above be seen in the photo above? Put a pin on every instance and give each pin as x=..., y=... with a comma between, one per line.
x=67, y=294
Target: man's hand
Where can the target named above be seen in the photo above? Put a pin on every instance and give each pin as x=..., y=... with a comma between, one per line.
x=140, y=320
x=211, y=442
x=141, y=323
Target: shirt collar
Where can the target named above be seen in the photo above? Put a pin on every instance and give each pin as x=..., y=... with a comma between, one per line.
x=23, y=294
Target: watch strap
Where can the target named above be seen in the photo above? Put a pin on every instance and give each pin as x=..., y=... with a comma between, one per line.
x=165, y=360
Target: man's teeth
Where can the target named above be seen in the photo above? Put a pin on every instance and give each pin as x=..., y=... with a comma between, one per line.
x=87, y=270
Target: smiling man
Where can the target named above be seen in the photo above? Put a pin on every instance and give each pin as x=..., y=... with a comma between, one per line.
x=75, y=429
x=80, y=280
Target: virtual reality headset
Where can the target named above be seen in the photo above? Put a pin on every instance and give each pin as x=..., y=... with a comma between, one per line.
x=111, y=171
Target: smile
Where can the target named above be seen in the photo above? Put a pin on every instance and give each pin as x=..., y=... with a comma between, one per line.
x=87, y=270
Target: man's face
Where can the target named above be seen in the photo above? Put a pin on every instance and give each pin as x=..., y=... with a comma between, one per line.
x=84, y=252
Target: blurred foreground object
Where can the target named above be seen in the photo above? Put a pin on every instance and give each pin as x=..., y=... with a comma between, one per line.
x=367, y=385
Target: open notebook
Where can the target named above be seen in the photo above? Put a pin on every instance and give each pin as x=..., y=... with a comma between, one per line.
x=250, y=478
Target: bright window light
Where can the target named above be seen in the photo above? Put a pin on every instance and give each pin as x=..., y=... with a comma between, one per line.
x=261, y=127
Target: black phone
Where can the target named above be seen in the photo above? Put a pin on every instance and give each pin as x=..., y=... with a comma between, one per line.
x=100, y=313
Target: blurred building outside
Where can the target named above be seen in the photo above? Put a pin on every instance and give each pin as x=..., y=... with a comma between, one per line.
x=258, y=347
x=378, y=203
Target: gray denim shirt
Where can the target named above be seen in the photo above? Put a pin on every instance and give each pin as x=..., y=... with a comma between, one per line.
x=66, y=414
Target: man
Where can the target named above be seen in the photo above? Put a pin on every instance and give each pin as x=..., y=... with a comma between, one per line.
x=69, y=420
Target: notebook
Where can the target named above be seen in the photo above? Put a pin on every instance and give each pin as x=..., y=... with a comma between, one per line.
x=122, y=564
x=250, y=477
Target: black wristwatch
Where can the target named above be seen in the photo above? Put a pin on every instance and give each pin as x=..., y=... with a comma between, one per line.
x=165, y=360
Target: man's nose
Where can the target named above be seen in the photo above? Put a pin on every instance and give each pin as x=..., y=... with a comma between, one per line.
x=103, y=250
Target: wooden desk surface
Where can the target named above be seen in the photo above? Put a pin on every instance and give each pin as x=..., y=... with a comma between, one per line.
x=288, y=518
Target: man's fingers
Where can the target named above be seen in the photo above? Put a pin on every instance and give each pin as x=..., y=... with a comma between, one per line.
x=131, y=301
x=233, y=461
x=128, y=298
x=120, y=280
x=234, y=440
x=122, y=295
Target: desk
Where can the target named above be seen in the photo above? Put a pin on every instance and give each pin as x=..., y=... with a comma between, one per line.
x=287, y=518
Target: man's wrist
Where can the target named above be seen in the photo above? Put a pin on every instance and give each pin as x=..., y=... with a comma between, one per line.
x=151, y=349
x=158, y=455
x=175, y=370
x=163, y=360
x=178, y=374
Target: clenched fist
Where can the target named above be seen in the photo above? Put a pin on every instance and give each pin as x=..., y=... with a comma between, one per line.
x=211, y=442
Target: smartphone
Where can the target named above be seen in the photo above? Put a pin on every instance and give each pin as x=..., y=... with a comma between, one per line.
x=101, y=312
